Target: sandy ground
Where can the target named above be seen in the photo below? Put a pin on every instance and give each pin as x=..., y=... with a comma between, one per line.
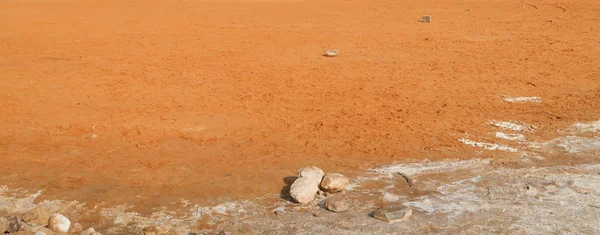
x=157, y=103
x=550, y=187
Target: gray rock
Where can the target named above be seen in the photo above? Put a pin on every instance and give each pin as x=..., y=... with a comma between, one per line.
x=14, y=224
x=59, y=223
x=336, y=203
x=29, y=227
x=304, y=189
x=311, y=171
x=393, y=213
x=334, y=182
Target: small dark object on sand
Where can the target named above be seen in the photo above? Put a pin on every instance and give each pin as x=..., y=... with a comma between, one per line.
x=409, y=181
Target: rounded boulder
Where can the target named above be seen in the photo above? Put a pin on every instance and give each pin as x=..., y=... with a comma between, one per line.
x=304, y=189
x=334, y=182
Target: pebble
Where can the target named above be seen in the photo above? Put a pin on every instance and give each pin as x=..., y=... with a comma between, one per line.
x=426, y=19
x=45, y=230
x=311, y=171
x=304, y=189
x=88, y=231
x=278, y=210
x=38, y=216
x=154, y=230
x=331, y=53
x=334, y=182
x=393, y=213
x=39, y=233
x=59, y=223
x=76, y=228
x=336, y=203
x=26, y=227
x=3, y=224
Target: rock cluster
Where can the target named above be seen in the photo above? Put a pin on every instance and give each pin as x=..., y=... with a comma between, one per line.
x=40, y=222
x=311, y=179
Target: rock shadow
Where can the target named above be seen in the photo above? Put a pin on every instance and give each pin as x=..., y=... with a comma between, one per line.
x=285, y=191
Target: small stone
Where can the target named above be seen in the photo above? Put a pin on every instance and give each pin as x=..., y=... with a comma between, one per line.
x=27, y=227
x=38, y=216
x=3, y=225
x=311, y=171
x=279, y=210
x=59, y=223
x=154, y=230
x=336, y=203
x=14, y=224
x=76, y=228
x=334, y=182
x=304, y=189
x=393, y=213
x=426, y=19
x=39, y=233
x=331, y=53
x=45, y=230
x=88, y=231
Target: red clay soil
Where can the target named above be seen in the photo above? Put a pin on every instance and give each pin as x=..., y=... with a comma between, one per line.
x=154, y=101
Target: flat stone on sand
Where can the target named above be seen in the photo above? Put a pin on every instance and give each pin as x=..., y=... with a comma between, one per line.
x=393, y=213
x=331, y=53
x=336, y=203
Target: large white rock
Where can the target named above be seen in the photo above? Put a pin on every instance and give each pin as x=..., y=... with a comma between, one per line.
x=334, y=182
x=304, y=189
x=59, y=223
x=311, y=171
